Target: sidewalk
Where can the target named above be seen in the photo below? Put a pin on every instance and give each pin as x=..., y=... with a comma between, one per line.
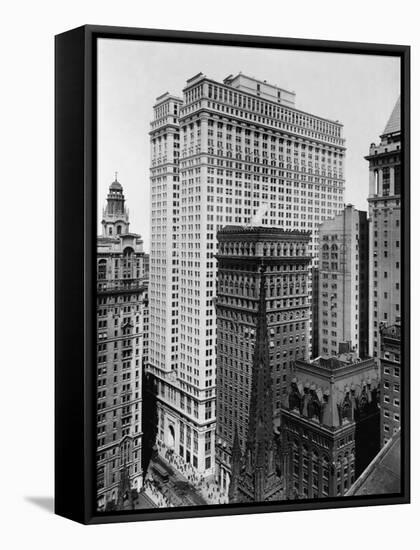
x=207, y=487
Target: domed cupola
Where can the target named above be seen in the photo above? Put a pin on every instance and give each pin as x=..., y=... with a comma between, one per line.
x=115, y=215
x=116, y=185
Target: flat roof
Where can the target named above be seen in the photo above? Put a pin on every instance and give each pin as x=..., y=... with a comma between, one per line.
x=199, y=78
x=230, y=78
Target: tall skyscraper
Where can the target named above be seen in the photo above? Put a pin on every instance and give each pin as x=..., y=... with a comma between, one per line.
x=219, y=155
x=120, y=305
x=343, y=283
x=242, y=253
x=385, y=231
x=390, y=367
x=330, y=425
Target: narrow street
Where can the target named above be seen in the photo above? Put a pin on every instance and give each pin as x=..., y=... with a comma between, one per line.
x=175, y=487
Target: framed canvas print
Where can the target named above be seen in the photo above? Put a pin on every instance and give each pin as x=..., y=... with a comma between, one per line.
x=232, y=274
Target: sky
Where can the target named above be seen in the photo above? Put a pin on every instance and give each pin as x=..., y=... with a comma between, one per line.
x=358, y=90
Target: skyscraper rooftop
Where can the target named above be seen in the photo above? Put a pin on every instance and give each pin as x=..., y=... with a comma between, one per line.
x=394, y=122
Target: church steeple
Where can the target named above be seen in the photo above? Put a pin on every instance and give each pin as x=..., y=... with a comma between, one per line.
x=236, y=468
x=115, y=215
x=259, y=447
x=258, y=480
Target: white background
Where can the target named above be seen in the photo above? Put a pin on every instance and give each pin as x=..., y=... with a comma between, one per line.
x=26, y=206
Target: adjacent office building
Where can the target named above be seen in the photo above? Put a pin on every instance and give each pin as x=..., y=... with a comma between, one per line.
x=120, y=306
x=242, y=253
x=385, y=231
x=219, y=154
x=343, y=284
x=330, y=425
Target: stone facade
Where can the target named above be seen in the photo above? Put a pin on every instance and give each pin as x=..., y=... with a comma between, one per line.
x=385, y=230
x=343, y=283
x=330, y=425
x=219, y=154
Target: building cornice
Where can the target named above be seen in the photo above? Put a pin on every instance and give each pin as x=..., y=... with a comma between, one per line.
x=193, y=82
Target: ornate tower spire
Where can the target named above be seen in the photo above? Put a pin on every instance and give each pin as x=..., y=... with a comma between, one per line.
x=125, y=495
x=115, y=215
x=236, y=468
x=259, y=447
x=258, y=481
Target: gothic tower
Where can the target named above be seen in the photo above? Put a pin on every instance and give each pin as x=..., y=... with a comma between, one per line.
x=236, y=468
x=258, y=480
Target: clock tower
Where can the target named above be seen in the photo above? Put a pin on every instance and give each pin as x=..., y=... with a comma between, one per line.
x=115, y=220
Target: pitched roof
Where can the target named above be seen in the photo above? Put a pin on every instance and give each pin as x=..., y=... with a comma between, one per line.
x=394, y=122
x=383, y=475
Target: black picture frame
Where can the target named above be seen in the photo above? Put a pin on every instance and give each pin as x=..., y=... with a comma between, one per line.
x=75, y=252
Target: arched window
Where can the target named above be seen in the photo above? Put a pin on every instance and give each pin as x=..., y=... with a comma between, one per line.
x=118, y=229
x=128, y=265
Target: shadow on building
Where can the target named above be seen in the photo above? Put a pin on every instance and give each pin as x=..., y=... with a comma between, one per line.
x=367, y=431
x=150, y=419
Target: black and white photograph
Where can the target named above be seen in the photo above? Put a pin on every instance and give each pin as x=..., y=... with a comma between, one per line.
x=249, y=311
